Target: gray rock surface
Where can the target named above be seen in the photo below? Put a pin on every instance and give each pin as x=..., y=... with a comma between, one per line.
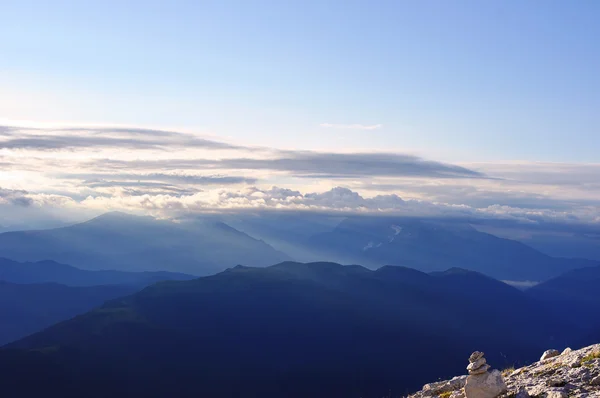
x=569, y=374
x=573, y=374
x=435, y=389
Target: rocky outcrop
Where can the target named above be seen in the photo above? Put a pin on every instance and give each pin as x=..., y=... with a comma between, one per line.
x=448, y=387
x=572, y=373
x=549, y=354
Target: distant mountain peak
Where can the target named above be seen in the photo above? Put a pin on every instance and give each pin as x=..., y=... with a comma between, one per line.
x=129, y=242
x=119, y=215
x=238, y=267
x=456, y=271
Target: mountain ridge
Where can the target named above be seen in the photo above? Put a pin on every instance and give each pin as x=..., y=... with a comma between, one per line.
x=291, y=329
x=119, y=241
x=570, y=373
x=29, y=308
x=435, y=246
x=48, y=271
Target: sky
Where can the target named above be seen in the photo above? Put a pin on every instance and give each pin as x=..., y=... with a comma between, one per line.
x=486, y=108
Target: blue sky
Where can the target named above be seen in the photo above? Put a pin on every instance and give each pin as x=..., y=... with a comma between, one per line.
x=483, y=108
x=456, y=80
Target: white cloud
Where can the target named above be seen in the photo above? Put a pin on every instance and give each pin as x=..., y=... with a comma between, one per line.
x=337, y=200
x=168, y=173
x=352, y=126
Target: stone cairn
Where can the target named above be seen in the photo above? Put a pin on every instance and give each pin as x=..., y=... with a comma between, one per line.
x=481, y=383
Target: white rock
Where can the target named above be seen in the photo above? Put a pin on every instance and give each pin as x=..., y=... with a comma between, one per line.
x=433, y=386
x=487, y=385
x=457, y=382
x=566, y=351
x=549, y=354
x=433, y=389
x=595, y=381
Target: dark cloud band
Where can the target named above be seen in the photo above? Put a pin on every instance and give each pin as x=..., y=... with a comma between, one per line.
x=312, y=165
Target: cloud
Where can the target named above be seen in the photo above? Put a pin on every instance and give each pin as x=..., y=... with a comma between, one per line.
x=88, y=138
x=339, y=200
x=146, y=147
x=351, y=126
x=138, y=187
x=166, y=172
x=25, y=199
x=314, y=165
x=502, y=192
x=522, y=284
x=187, y=179
x=15, y=197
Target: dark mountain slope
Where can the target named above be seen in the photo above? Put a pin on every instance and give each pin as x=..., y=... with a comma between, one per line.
x=576, y=296
x=26, y=309
x=435, y=246
x=292, y=329
x=581, y=285
x=53, y=272
x=130, y=243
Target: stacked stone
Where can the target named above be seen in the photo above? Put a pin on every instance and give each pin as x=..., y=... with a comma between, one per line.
x=477, y=364
x=481, y=383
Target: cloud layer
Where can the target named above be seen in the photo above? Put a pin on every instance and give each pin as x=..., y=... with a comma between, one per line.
x=311, y=165
x=166, y=173
x=88, y=138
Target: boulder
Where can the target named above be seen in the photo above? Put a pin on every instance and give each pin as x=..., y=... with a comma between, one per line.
x=456, y=384
x=486, y=385
x=549, y=354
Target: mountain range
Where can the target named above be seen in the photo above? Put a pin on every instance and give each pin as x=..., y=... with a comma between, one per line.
x=576, y=296
x=34, y=296
x=115, y=323
x=424, y=244
x=292, y=329
x=118, y=241
x=49, y=271
x=209, y=244
x=29, y=308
